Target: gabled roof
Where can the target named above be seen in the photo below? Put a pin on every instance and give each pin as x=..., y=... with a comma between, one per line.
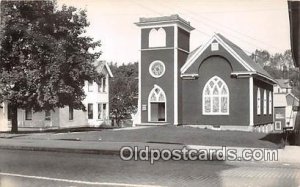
x=294, y=97
x=235, y=51
x=280, y=100
x=100, y=65
x=283, y=83
x=245, y=57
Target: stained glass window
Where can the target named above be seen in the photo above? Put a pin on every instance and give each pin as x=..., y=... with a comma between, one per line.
x=157, y=95
x=265, y=102
x=270, y=103
x=258, y=102
x=215, y=97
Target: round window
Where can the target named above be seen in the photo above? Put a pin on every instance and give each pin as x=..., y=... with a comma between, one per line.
x=157, y=69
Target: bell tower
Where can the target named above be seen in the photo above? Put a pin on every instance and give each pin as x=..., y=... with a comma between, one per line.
x=164, y=49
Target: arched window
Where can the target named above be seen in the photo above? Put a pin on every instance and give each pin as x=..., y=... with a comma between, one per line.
x=157, y=37
x=258, y=102
x=215, y=97
x=270, y=103
x=265, y=102
x=157, y=95
x=157, y=105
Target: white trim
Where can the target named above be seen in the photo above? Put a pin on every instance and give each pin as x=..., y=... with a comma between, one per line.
x=195, y=56
x=157, y=48
x=149, y=103
x=204, y=47
x=250, y=73
x=108, y=70
x=237, y=73
x=139, y=111
x=251, y=120
x=152, y=64
x=293, y=96
x=164, y=48
x=149, y=25
x=273, y=108
x=265, y=102
x=182, y=50
x=234, y=54
x=219, y=97
x=175, y=76
x=266, y=77
x=189, y=76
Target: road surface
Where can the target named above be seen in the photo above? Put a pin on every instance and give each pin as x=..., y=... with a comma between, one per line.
x=33, y=168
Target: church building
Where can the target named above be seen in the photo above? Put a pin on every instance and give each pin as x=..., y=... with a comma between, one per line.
x=217, y=85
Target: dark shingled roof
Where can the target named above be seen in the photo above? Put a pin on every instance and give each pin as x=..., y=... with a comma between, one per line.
x=192, y=53
x=245, y=57
x=284, y=83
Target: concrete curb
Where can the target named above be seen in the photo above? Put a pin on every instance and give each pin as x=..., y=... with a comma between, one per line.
x=62, y=150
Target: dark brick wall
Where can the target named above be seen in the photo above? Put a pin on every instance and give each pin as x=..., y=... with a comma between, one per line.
x=262, y=118
x=238, y=89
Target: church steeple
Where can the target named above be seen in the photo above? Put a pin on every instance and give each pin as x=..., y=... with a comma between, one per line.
x=164, y=49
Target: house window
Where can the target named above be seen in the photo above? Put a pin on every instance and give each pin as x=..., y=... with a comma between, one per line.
x=102, y=85
x=90, y=86
x=102, y=111
x=90, y=111
x=28, y=114
x=279, y=116
x=270, y=103
x=157, y=37
x=214, y=47
x=258, y=102
x=48, y=115
x=215, y=97
x=265, y=102
x=277, y=125
x=71, y=113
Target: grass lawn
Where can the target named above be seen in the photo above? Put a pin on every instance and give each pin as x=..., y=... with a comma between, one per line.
x=172, y=135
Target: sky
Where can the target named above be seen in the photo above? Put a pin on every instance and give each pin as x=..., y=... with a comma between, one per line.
x=251, y=24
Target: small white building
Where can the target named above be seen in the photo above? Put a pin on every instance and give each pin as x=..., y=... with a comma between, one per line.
x=96, y=114
x=283, y=86
x=284, y=102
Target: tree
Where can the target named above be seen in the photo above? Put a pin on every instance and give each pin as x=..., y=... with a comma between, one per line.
x=261, y=56
x=123, y=91
x=45, y=58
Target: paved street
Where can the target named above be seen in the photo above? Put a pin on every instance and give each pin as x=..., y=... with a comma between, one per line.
x=33, y=168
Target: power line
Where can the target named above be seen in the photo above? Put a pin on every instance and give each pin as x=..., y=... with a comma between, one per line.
x=250, y=53
x=239, y=32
